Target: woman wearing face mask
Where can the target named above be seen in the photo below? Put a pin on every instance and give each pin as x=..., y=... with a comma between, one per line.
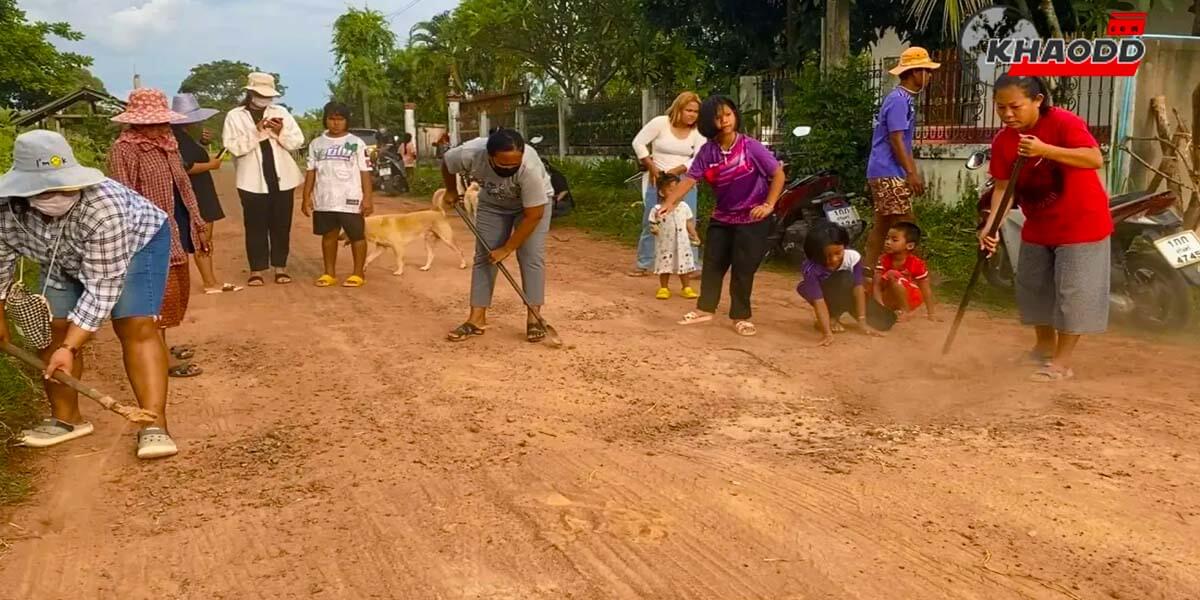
x=145, y=158
x=261, y=137
x=513, y=215
x=104, y=253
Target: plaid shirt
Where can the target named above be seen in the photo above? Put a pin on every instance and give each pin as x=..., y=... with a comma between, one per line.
x=100, y=235
x=155, y=170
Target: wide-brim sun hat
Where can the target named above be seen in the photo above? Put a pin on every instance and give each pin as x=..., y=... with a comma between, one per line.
x=915, y=57
x=189, y=107
x=262, y=84
x=44, y=162
x=147, y=106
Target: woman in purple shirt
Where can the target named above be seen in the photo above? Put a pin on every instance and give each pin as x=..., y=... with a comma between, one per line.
x=747, y=181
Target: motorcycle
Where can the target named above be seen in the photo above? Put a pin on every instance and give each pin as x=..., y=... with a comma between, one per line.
x=387, y=170
x=804, y=203
x=1154, y=259
x=564, y=202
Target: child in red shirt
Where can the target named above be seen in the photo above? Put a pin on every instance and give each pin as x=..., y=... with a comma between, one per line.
x=902, y=283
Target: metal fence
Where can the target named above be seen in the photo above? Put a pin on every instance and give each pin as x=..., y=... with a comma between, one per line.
x=956, y=108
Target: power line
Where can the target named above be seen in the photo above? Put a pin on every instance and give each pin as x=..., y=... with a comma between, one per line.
x=397, y=13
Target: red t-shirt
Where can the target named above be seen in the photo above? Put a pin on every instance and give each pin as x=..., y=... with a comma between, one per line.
x=913, y=269
x=1062, y=204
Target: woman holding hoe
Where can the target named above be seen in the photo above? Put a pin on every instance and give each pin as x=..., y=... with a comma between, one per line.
x=1063, y=265
x=104, y=253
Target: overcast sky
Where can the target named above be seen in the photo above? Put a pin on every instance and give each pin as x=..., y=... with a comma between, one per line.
x=163, y=39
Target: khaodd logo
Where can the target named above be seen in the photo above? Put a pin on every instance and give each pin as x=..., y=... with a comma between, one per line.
x=1119, y=55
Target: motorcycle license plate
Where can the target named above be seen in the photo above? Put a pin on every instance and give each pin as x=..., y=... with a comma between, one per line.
x=841, y=214
x=1180, y=249
x=384, y=171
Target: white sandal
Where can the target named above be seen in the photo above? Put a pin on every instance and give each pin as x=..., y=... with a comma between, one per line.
x=52, y=432
x=745, y=328
x=695, y=317
x=155, y=442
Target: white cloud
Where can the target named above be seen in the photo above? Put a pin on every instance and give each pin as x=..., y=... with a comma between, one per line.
x=133, y=26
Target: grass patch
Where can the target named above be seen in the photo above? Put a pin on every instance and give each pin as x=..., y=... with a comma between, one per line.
x=18, y=408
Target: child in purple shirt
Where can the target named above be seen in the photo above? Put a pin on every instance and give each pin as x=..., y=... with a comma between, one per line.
x=747, y=181
x=831, y=280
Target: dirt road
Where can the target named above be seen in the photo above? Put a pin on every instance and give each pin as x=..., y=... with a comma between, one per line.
x=338, y=448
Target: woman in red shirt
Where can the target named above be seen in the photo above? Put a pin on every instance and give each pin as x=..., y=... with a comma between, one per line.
x=1063, y=265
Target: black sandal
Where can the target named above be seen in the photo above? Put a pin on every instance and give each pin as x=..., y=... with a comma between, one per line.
x=255, y=281
x=183, y=352
x=464, y=332
x=534, y=332
x=283, y=278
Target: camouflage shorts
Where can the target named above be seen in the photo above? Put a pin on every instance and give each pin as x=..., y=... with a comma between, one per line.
x=892, y=195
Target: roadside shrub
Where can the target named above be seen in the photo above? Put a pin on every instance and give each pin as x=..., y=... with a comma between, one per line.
x=839, y=104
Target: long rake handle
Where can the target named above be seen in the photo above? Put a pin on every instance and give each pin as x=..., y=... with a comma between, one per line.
x=137, y=415
x=520, y=292
x=997, y=222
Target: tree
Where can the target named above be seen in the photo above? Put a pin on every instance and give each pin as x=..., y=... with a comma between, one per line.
x=580, y=45
x=221, y=84
x=362, y=46
x=33, y=71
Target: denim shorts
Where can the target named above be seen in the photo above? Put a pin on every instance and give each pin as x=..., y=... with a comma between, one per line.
x=145, y=282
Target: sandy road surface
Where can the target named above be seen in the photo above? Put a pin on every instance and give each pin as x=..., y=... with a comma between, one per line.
x=337, y=448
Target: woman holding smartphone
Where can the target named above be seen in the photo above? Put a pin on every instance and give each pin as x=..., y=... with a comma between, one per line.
x=199, y=169
x=261, y=135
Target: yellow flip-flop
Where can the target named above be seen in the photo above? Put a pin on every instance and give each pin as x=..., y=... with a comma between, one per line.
x=689, y=293
x=325, y=281
x=663, y=294
x=353, y=281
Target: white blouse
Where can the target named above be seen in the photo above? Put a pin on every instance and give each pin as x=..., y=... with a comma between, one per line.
x=659, y=142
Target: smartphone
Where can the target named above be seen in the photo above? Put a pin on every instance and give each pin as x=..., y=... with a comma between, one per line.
x=222, y=154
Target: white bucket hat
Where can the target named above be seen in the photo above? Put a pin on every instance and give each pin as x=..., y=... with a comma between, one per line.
x=42, y=162
x=262, y=84
x=188, y=106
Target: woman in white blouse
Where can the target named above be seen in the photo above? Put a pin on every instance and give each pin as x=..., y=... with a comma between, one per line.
x=666, y=144
x=262, y=135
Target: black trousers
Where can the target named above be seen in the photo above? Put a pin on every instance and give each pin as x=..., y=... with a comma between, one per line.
x=838, y=290
x=739, y=250
x=268, y=221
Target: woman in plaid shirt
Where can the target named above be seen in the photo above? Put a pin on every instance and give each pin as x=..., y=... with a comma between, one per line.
x=104, y=253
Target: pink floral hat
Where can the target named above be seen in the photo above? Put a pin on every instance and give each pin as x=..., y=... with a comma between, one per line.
x=147, y=106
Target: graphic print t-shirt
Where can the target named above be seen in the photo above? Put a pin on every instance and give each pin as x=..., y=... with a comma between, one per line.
x=530, y=187
x=1062, y=204
x=339, y=163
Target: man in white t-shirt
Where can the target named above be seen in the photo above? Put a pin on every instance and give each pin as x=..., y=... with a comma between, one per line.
x=339, y=175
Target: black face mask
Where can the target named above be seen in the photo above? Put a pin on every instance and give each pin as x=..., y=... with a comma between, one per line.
x=503, y=171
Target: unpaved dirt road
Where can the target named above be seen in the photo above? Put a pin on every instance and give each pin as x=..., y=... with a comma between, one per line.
x=338, y=448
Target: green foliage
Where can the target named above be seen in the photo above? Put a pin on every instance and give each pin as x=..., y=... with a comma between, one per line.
x=18, y=409
x=840, y=105
x=33, y=71
x=362, y=47
x=581, y=45
x=220, y=84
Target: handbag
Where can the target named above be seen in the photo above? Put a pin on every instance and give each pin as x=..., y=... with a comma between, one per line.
x=30, y=312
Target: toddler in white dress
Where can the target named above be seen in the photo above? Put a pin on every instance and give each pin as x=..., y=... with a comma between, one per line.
x=674, y=236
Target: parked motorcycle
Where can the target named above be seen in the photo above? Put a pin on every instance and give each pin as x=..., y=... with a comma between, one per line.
x=387, y=169
x=1154, y=259
x=804, y=203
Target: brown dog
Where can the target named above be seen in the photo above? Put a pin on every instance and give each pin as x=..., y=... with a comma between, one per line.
x=395, y=232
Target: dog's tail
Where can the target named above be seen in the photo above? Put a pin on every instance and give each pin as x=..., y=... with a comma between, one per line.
x=439, y=200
